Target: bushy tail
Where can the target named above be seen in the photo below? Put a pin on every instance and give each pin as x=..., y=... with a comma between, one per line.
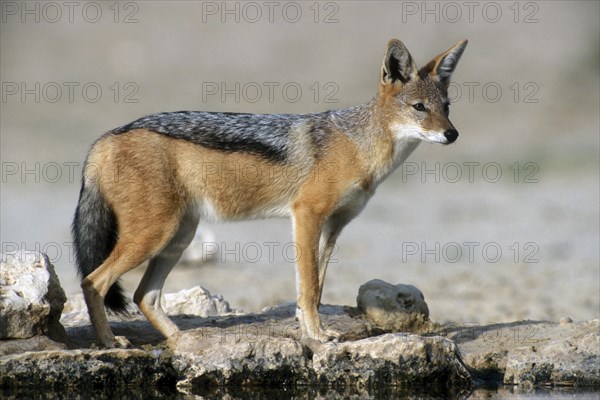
x=95, y=235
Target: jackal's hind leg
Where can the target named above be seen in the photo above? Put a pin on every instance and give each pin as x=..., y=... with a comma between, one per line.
x=148, y=294
x=329, y=235
x=125, y=256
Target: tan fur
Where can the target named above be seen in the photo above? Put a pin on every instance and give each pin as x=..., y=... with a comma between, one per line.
x=239, y=185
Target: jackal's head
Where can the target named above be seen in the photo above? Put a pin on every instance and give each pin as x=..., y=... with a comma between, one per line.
x=415, y=102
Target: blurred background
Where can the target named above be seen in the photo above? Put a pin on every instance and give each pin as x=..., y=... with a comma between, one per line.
x=502, y=225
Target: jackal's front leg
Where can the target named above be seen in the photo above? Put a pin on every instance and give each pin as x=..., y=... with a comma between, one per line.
x=307, y=232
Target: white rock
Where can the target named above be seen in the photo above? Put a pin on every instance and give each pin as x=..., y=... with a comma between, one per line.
x=31, y=298
x=195, y=301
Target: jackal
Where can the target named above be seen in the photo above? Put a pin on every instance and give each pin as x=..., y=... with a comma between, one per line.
x=147, y=184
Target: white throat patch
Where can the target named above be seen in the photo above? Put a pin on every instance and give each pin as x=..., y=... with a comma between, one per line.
x=412, y=131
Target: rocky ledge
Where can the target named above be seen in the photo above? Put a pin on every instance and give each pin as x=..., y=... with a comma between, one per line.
x=220, y=347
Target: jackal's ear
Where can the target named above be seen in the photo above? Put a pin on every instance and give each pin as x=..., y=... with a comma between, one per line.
x=398, y=64
x=443, y=65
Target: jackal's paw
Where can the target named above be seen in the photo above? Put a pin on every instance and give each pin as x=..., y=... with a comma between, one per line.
x=117, y=342
x=173, y=339
x=332, y=335
x=121, y=342
x=324, y=335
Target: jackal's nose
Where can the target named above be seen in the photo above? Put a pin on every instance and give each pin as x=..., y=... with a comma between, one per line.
x=451, y=135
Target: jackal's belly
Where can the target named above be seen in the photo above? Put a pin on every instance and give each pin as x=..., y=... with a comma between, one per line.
x=211, y=211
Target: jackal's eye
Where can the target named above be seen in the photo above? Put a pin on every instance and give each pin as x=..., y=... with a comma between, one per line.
x=419, y=107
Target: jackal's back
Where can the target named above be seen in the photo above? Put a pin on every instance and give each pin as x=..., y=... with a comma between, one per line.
x=266, y=135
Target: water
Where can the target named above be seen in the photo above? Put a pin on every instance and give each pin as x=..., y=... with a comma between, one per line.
x=306, y=392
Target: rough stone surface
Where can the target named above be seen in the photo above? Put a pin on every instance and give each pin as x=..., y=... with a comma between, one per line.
x=264, y=349
x=239, y=360
x=31, y=298
x=231, y=356
x=532, y=353
x=392, y=359
x=394, y=308
x=572, y=360
x=253, y=349
x=36, y=343
x=90, y=369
